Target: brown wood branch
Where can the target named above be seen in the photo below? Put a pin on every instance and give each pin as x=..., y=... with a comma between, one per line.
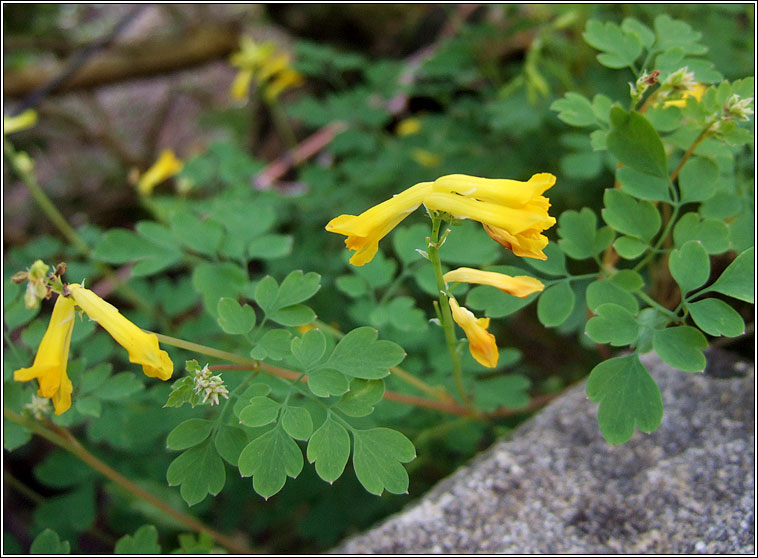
x=167, y=54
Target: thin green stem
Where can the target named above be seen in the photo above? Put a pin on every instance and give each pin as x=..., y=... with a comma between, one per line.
x=205, y=350
x=663, y=310
x=661, y=239
x=282, y=125
x=445, y=312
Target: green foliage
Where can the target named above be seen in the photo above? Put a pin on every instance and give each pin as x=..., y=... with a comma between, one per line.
x=144, y=541
x=48, y=542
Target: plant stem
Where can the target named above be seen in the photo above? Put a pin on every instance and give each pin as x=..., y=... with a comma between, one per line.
x=690, y=150
x=205, y=350
x=445, y=313
x=64, y=439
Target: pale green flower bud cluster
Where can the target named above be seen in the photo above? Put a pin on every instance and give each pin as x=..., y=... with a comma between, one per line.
x=39, y=407
x=209, y=386
x=36, y=285
x=738, y=109
x=678, y=82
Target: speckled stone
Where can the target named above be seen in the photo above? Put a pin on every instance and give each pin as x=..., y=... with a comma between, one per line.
x=557, y=487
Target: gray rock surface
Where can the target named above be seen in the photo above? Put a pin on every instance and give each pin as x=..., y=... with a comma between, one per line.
x=557, y=487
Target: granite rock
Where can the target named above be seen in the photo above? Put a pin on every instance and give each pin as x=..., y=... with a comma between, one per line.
x=556, y=486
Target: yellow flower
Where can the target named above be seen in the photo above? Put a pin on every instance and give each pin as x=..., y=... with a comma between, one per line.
x=164, y=168
x=481, y=343
x=426, y=158
x=143, y=347
x=697, y=91
x=364, y=231
x=520, y=285
x=23, y=121
x=52, y=358
x=514, y=213
x=261, y=61
x=408, y=127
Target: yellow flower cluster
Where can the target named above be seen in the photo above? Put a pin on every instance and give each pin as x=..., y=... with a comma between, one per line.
x=270, y=69
x=50, y=363
x=514, y=214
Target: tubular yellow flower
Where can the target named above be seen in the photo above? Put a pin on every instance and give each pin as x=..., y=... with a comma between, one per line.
x=52, y=358
x=23, y=121
x=143, y=347
x=241, y=85
x=514, y=213
x=364, y=231
x=481, y=343
x=408, y=127
x=285, y=80
x=164, y=168
x=520, y=285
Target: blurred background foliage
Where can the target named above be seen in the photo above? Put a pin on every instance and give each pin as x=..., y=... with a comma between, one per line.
x=422, y=91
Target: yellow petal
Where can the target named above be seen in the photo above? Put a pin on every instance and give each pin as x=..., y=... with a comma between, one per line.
x=481, y=343
x=364, y=231
x=520, y=285
x=408, y=127
x=531, y=216
x=527, y=244
x=164, y=168
x=51, y=361
x=241, y=85
x=503, y=191
x=143, y=347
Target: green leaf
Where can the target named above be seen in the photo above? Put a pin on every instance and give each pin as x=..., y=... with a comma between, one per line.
x=555, y=304
x=671, y=33
x=690, y=266
x=681, y=347
x=119, y=386
x=629, y=216
x=555, y=264
x=643, y=185
x=89, y=406
x=275, y=344
x=469, y=244
x=270, y=459
x=233, y=318
x=575, y=110
x=579, y=234
x=605, y=291
x=628, y=280
x=360, y=355
x=266, y=293
x=119, y=246
x=295, y=315
x=712, y=233
x=613, y=324
x=325, y=382
x=182, y=392
x=329, y=449
x=738, y=280
x=508, y=391
x=403, y=314
x=494, y=302
x=61, y=470
x=643, y=32
x=189, y=433
x=352, y=285
x=229, y=442
x=49, y=542
x=627, y=396
x=377, y=457
x=363, y=395
x=260, y=411
x=635, y=143
x=217, y=280
x=199, y=471
x=620, y=49
x=629, y=247
x=298, y=287
x=698, y=179
x=270, y=246
x=73, y=512
x=144, y=541
x=203, y=237
x=716, y=317
x=309, y=348
x=297, y=422
x=14, y=435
